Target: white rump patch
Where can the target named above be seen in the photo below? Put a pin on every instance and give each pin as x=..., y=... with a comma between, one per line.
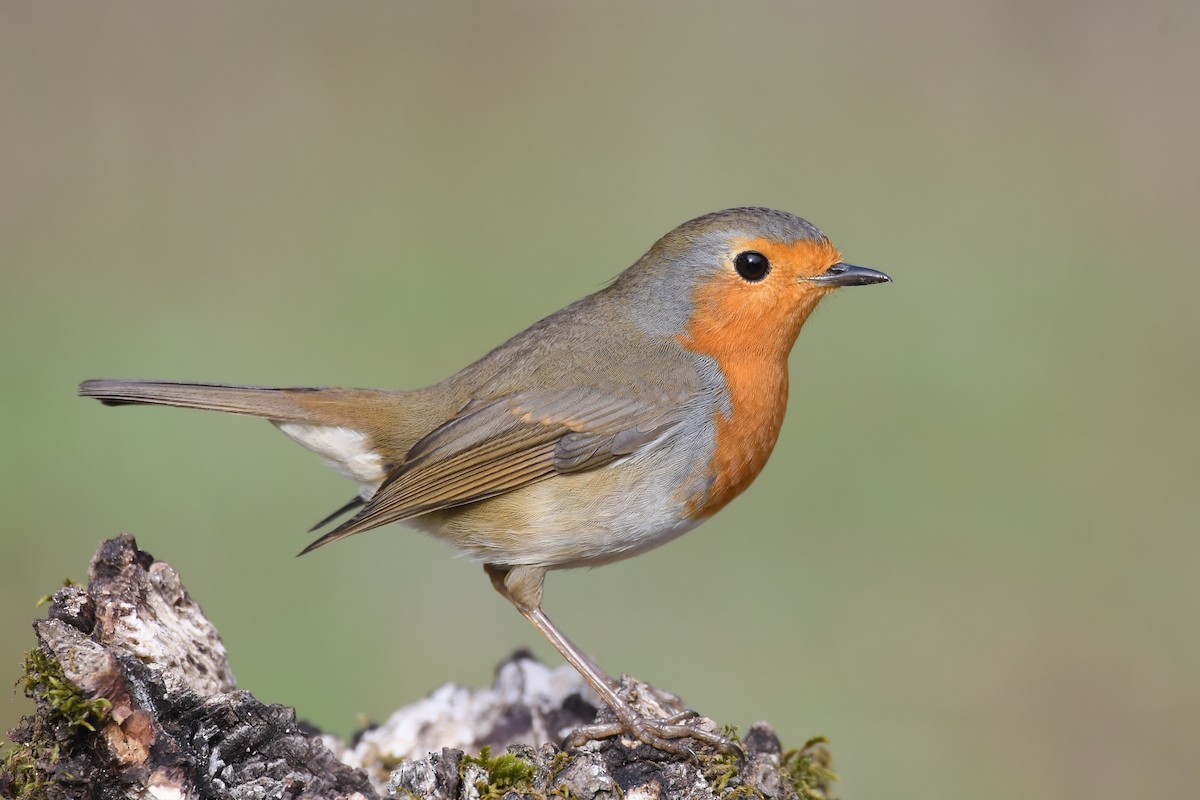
x=344, y=449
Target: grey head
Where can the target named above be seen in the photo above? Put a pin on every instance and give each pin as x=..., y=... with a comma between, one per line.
x=663, y=279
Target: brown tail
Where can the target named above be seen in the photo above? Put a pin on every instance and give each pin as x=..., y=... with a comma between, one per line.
x=259, y=401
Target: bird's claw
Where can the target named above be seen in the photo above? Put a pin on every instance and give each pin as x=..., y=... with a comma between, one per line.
x=661, y=734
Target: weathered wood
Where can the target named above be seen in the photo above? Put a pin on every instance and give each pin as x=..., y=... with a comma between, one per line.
x=134, y=698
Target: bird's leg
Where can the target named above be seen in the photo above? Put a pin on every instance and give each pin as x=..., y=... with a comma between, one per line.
x=522, y=585
x=527, y=583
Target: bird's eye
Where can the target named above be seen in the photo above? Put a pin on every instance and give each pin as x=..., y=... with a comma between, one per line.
x=752, y=265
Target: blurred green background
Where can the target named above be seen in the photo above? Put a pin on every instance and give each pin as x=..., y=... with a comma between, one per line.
x=972, y=562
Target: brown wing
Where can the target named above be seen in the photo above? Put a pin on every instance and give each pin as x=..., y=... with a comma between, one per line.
x=496, y=447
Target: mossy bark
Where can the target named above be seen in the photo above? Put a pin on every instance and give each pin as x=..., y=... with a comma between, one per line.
x=134, y=698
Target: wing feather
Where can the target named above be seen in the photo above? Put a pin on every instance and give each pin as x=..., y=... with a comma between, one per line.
x=496, y=447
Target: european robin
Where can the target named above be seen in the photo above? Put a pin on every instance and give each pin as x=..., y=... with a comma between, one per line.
x=606, y=429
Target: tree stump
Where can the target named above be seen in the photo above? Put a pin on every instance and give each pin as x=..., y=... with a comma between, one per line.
x=134, y=698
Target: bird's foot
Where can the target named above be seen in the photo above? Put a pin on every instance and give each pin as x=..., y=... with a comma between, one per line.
x=666, y=735
x=659, y=728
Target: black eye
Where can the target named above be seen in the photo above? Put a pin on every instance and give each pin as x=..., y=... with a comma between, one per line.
x=752, y=265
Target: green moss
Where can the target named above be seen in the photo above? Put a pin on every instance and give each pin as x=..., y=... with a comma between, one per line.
x=64, y=715
x=505, y=773
x=20, y=777
x=721, y=770
x=45, y=683
x=810, y=769
x=560, y=762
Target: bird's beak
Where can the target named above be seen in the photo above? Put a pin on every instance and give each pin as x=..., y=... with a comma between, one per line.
x=841, y=274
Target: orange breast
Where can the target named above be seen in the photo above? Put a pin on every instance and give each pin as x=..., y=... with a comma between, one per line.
x=746, y=437
x=749, y=329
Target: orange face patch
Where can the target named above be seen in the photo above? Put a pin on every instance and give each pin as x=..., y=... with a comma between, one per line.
x=802, y=258
x=749, y=329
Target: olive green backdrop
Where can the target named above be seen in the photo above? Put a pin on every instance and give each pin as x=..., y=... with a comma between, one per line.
x=972, y=561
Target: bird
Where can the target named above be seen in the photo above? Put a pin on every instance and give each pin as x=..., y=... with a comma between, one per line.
x=608, y=428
